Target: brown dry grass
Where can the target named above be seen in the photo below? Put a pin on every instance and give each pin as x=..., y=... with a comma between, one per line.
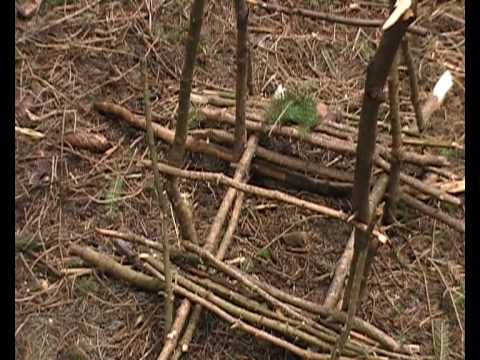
x=71, y=54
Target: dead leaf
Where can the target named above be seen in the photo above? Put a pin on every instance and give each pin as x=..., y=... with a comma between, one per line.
x=85, y=140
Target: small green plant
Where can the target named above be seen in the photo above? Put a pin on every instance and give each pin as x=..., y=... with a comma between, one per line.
x=295, y=106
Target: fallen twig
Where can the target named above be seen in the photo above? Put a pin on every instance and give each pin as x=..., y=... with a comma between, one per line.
x=420, y=186
x=341, y=270
x=227, y=310
x=213, y=236
x=434, y=213
x=412, y=77
x=377, y=73
x=331, y=143
x=317, y=15
x=271, y=194
x=36, y=135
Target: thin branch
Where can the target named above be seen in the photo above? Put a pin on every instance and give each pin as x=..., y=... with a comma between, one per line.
x=328, y=142
x=177, y=152
x=343, y=264
x=358, y=269
x=377, y=194
x=180, y=317
x=293, y=163
x=412, y=77
x=241, y=11
x=162, y=204
x=435, y=213
x=176, y=255
x=377, y=73
x=109, y=266
x=232, y=225
x=396, y=130
x=317, y=15
x=341, y=270
x=270, y=194
x=212, y=240
x=421, y=186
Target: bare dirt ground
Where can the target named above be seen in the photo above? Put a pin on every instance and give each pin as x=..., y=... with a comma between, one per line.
x=71, y=54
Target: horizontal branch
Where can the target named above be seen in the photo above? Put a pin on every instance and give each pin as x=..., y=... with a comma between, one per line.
x=197, y=145
x=419, y=185
x=177, y=256
x=270, y=194
x=317, y=15
x=221, y=307
x=108, y=265
x=294, y=163
x=328, y=142
x=432, y=212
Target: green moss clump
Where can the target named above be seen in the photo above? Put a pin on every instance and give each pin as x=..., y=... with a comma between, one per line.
x=294, y=107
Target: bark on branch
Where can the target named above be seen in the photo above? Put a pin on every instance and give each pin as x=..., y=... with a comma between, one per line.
x=241, y=10
x=317, y=15
x=271, y=194
x=377, y=73
x=252, y=313
x=176, y=156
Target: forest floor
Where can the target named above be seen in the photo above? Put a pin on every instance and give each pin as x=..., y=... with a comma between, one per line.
x=71, y=54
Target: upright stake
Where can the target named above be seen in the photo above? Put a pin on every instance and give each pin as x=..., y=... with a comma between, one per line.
x=177, y=152
x=396, y=130
x=377, y=73
x=162, y=204
x=241, y=10
x=412, y=76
